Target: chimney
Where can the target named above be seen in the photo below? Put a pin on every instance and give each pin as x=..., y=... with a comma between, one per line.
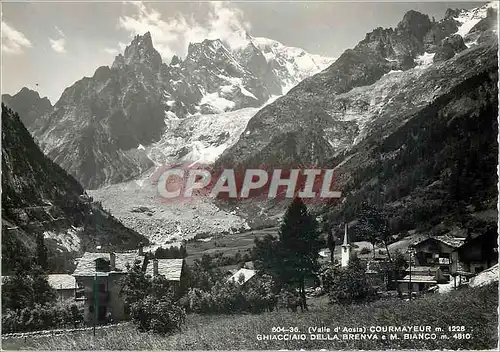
x=155, y=267
x=112, y=261
x=141, y=249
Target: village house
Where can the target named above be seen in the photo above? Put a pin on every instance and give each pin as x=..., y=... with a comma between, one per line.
x=64, y=284
x=421, y=278
x=437, y=251
x=170, y=269
x=242, y=276
x=104, y=272
x=474, y=255
x=107, y=269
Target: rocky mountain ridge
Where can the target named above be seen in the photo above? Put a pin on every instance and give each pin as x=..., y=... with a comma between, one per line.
x=341, y=104
x=29, y=105
x=97, y=129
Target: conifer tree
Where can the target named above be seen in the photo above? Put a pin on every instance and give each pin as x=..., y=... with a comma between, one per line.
x=294, y=256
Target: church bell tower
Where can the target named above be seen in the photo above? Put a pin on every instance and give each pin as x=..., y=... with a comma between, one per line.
x=346, y=250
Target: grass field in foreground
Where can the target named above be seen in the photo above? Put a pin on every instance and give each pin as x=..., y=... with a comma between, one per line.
x=476, y=309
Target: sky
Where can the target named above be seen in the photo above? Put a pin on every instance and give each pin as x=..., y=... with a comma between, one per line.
x=49, y=45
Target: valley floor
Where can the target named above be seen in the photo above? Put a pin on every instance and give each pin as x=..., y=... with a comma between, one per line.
x=473, y=308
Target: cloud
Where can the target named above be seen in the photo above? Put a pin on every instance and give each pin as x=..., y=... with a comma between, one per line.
x=58, y=45
x=171, y=36
x=111, y=51
x=115, y=51
x=122, y=46
x=13, y=41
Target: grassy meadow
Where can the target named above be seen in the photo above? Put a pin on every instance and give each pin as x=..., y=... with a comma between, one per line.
x=474, y=308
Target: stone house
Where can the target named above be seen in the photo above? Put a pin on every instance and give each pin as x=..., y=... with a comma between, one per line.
x=171, y=269
x=475, y=255
x=437, y=252
x=64, y=284
x=421, y=278
x=104, y=272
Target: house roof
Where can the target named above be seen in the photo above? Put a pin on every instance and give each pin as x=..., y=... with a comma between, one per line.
x=87, y=267
x=62, y=281
x=451, y=241
x=423, y=269
x=247, y=273
x=419, y=279
x=170, y=268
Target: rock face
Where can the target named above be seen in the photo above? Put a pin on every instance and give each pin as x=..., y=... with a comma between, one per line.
x=344, y=103
x=97, y=129
x=449, y=47
x=28, y=104
x=38, y=196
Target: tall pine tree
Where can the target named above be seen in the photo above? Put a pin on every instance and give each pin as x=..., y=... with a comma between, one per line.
x=294, y=256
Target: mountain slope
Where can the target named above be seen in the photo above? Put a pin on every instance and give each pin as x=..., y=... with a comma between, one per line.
x=38, y=196
x=28, y=104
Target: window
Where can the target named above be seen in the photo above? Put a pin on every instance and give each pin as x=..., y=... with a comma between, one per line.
x=101, y=287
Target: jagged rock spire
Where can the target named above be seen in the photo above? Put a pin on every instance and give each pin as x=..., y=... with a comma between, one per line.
x=140, y=51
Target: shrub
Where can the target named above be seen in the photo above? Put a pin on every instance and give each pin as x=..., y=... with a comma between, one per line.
x=151, y=302
x=159, y=316
x=42, y=317
x=349, y=285
x=254, y=296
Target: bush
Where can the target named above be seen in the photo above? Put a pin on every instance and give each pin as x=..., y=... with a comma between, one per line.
x=159, y=316
x=26, y=289
x=42, y=317
x=254, y=296
x=151, y=302
x=349, y=285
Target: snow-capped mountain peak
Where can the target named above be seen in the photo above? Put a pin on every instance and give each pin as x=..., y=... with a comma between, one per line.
x=290, y=64
x=468, y=19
